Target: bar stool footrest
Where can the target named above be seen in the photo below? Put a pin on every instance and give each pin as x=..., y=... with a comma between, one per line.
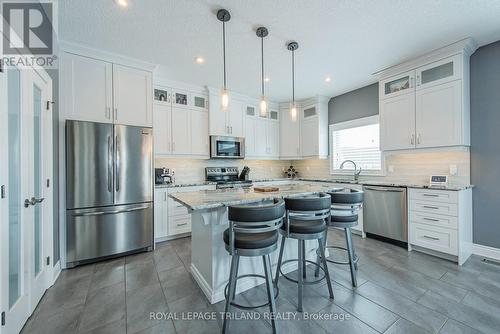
x=304, y=282
x=355, y=261
x=251, y=307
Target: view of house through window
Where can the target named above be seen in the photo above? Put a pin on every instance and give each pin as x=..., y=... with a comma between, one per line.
x=356, y=140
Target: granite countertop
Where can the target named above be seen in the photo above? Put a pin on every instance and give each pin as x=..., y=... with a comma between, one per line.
x=187, y=184
x=211, y=199
x=387, y=183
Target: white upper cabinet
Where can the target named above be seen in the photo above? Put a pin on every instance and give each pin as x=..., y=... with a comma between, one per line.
x=86, y=88
x=261, y=133
x=226, y=123
x=290, y=137
x=181, y=131
x=199, y=133
x=397, y=115
x=439, y=115
x=273, y=138
x=99, y=91
x=250, y=138
x=162, y=130
x=309, y=131
x=132, y=96
x=428, y=104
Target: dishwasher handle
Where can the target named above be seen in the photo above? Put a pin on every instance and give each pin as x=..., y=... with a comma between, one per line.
x=393, y=190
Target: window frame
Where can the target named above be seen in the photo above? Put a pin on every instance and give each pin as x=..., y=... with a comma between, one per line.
x=370, y=120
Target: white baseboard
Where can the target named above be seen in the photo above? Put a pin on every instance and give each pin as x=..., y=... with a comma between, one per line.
x=486, y=251
x=57, y=271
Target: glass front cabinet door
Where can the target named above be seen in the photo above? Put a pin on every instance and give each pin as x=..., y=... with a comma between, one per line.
x=397, y=85
x=439, y=72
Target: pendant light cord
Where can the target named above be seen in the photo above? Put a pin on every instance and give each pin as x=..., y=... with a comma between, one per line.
x=224, y=50
x=293, y=77
x=262, y=56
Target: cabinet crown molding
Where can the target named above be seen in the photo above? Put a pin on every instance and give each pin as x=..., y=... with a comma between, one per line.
x=466, y=46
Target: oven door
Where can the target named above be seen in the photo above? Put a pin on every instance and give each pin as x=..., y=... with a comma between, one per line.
x=227, y=147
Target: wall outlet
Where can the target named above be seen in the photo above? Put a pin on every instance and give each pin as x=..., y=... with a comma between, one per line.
x=390, y=168
x=453, y=170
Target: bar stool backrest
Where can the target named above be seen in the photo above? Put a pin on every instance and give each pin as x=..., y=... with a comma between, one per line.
x=252, y=219
x=345, y=205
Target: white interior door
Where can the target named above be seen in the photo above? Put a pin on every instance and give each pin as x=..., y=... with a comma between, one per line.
x=26, y=235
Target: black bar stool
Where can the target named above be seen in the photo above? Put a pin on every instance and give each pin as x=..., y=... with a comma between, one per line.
x=345, y=208
x=306, y=220
x=253, y=231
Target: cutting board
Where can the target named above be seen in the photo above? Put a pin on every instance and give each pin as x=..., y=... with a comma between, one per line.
x=266, y=189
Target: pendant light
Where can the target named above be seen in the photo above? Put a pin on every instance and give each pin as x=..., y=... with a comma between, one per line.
x=262, y=32
x=292, y=46
x=224, y=16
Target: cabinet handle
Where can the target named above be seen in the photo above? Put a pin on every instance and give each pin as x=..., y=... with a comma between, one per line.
x=430, y=219
x=165, y=196
x=183, y=224
x=432, y=238
x=431, y=207
x=116, y=113
x=430, y=195
x=412, y=140
x=412, y=82
x=418, y=138
x=108, y=112
x=418, y=80
x=173, y=147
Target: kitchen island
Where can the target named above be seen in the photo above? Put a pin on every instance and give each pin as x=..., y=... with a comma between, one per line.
x=210, y=262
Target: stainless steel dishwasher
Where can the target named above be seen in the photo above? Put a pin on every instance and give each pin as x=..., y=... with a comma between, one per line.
x=385, y=212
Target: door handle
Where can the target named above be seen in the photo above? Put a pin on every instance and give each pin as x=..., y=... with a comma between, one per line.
x=33, y=201
x=117, y=142
x=386, y=189
x=100, y=213
x=110, y=164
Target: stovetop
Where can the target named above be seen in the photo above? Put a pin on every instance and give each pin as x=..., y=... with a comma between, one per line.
x=226, y=177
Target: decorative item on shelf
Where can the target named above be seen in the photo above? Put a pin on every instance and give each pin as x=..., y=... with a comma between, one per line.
x=292, y=46
x=262, y=32
x=224, y=16
x=161, y=95
x=291, y=173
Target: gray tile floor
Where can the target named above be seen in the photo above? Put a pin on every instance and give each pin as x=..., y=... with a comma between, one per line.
x=398, y=292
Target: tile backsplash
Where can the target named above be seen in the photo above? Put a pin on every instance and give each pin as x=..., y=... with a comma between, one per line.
x=193, y=170
x=414, y=167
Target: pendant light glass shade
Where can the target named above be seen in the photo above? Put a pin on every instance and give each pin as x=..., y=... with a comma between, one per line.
x=263, y=106
x=293, y=112
x=224, y=100
x=224, y=16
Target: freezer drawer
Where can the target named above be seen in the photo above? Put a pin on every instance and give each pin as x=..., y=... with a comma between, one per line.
x=99, y=232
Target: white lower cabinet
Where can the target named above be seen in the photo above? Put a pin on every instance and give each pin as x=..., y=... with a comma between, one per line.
x=440, y=222
x=172, y=219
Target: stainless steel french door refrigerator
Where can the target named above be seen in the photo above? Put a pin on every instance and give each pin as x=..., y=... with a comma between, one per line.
x=109, y=190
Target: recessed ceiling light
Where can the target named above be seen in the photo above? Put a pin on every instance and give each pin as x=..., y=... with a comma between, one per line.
x=199, y=60
x=328, y=79
x=267, y=79
x=122, y=3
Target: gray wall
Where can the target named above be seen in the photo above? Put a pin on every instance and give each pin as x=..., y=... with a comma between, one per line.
x=362, y=102
x=485, y=137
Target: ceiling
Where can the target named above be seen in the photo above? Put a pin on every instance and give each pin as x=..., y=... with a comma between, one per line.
x=347, y=40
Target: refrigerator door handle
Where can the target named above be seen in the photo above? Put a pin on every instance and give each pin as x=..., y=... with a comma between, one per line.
x=110, y=164
x=100, y=213
x=117, y=141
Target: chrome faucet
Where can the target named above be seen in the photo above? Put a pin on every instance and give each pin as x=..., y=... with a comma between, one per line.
x=356, y=171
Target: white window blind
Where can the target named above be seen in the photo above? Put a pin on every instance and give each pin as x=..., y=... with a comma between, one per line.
x=358, y=141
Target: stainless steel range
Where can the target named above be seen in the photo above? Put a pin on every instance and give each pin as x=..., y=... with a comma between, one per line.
x=228, y=177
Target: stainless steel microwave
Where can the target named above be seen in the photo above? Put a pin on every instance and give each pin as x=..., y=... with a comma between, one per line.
x=227, y=147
